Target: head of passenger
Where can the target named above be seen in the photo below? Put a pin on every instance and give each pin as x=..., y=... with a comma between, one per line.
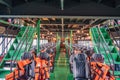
x=98, y=58
x=76, y=51
x=27, y=55
x=33, y=51
x=43, y=49
x=88, y=53
x=92, y=52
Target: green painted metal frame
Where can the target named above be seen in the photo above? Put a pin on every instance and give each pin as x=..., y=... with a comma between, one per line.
x=107, y=40
x=57, y=47
x=71, y=39
x=7, y=23
x=29, y=39
x=38, y=36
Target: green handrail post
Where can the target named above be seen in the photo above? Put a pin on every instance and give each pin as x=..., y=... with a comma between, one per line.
x=71, y=40
x=38, y=36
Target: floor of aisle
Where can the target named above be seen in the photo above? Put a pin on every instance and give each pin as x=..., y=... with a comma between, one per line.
x=62, y=70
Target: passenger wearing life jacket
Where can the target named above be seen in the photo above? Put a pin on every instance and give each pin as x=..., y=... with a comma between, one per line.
x=22, y=70
x=89, y=53
x=42, y=65
x=41, y=69
x=100, y=70
x=51, y=56
x=33, y=51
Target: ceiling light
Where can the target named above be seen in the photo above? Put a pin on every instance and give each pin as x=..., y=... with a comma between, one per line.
x=87, y=34
x=51, y=33
x=78, y=31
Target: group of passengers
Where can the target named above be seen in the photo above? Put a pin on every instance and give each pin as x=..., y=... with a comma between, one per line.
x=46, y=58
x=85, y=64
x=36, y=66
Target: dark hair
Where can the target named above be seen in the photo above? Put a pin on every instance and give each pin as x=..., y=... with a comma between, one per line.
x=34, y=50
x=27, y=55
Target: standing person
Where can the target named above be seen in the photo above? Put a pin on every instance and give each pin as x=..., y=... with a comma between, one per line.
x=75, y=51
x=44, y=54
x=80, y=66
x=33, y=51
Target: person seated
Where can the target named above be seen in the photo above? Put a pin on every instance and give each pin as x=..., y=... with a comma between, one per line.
x=44, y=54
x=22, y=72
x=51, y=56
x=41, y=69
x=99, y=70
x=98, y=58
x=33, y=51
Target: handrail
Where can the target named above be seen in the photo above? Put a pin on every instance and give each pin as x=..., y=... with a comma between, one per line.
x=4, y=32
x=116, y=30
x=32, y=39
x=107, y=48
x=113, y=38
x=5, y=22
x=26, y=39
x=7, y=44
x=118, y=33
x=95, y=40
x=21, y=47
x=112, y=35
x=4, y=39
x=18, y=46
x=117, y=25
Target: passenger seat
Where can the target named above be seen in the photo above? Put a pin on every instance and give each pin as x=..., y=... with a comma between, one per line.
x=80, y=67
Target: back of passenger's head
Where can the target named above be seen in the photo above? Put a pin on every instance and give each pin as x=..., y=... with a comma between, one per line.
x=27, y=55
x=88, y=53
x=92, y=50
x=73, y=48
x=33, y=51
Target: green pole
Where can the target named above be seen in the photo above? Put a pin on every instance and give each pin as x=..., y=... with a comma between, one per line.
x=38, y=36
x=57, y=36
x=71, y=39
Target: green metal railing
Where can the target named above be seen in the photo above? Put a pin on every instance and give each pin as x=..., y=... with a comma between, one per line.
x=106, y=47
x=38, y=36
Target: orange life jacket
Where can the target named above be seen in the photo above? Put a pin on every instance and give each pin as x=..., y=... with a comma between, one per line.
x=18, y=71
x=100, y=70
x=41, y=69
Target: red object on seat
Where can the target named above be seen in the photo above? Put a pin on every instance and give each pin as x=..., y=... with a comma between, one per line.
x=1, y=57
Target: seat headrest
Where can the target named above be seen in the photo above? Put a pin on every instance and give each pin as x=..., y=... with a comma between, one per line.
x=80, y=57
x=98, y=57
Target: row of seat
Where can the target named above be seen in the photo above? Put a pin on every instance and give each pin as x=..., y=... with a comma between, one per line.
x=85, y=64
x=33, y=65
